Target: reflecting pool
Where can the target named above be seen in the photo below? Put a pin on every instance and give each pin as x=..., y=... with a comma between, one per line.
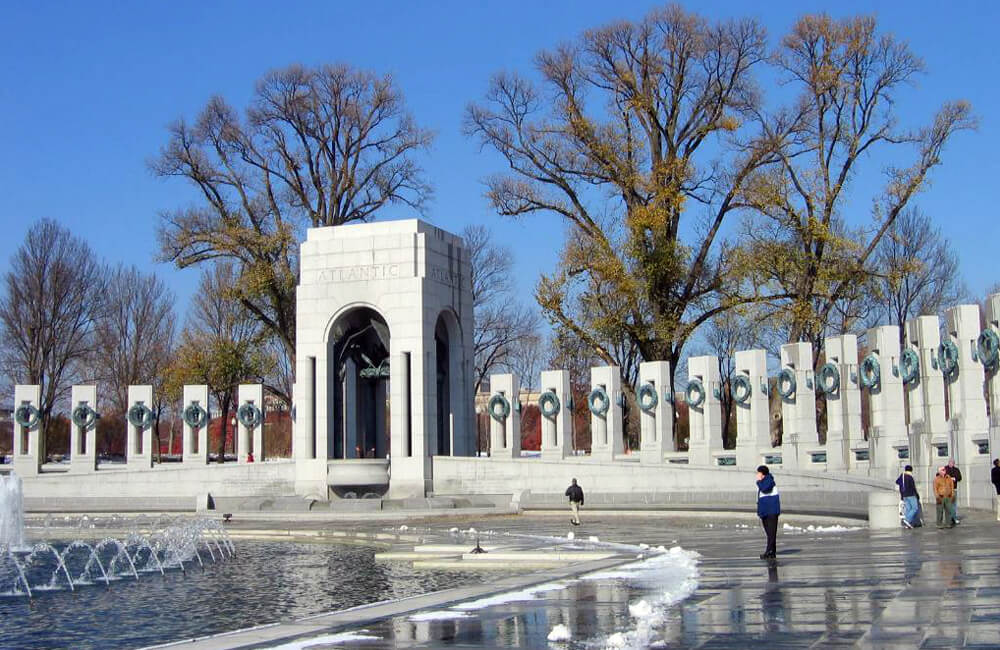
x=265, y=582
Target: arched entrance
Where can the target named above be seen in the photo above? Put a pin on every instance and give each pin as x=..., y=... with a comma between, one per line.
x=359, y=376
x=449, y=387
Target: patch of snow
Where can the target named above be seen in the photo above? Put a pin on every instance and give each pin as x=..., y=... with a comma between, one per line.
x=820, y=529
x=343, y=637
x=669, y=578
x=559, y=633
x=438, y=616
x=531, y=593
x=641, y=609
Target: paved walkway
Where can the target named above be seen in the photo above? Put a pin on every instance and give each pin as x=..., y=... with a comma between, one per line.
x=924, y=588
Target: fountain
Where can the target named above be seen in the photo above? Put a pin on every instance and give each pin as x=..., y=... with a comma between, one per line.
x=11, y=512
x=50, y=566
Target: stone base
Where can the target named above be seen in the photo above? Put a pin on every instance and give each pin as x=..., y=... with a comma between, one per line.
x=883, y=509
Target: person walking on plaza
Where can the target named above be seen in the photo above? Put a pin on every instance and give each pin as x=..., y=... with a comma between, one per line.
x=995, y=475
x=575, y=494
x=768, y=509
x=956, y=476
x=944, y=493
x=911, y=499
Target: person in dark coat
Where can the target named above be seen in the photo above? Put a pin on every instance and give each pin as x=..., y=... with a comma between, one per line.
x=911, y=499
x=575, y=494
x=768, y=509
x=995, y=475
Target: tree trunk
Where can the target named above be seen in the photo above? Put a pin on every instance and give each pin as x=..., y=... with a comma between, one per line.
x=222, y=437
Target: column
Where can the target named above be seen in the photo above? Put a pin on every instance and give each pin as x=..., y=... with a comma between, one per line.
x=928, y=427
x=139, y=425
x=194, y=446
x=656, y=412
x=249, y=422
x=967, y=407
x=604, y=402
x=505, y=416
x=858, y=459
x=400, y=429
x=83, y=429
x=992, y=368
x=879, y=373
x=704, y=410
x=557, y=429
x=800, y=438
x=380, y=440
x=29, y=445
x=349, y=395
x=753, y=420
x=833, y=383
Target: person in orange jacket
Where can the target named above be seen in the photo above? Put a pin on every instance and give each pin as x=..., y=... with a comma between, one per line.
x=944, y=493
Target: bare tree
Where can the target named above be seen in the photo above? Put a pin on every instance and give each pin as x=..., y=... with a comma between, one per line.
x=919, y=270
x=318, y=146
x=134, y=338
x=222, y=344
x=502, y=322
x=848, y=76
x=726, y=334
x=134, y=334
x=525, y=358
x=636, y=139
x=281, y=378
x=569, y=353
x=50, y=303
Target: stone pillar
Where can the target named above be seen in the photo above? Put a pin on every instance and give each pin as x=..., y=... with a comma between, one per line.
x=29, y=445
x=880, y=372
x=993, y=376
x=838, y=450
x=798, y=407
x=249, y=422
x=308, y=448
x=399, y=397
x=305, y=445
x=83, y=436
x=967, y=407
x=409, y=465
x=557, y=429
x=753, y=420
x=139, y=443
x=194, y=446
x=606, y=430
x=850, y=404
x=883, y=509
x=656, y=423
x=380, y=423
x=505, y=431
x=349, y=395
x=704, y=418
x=928, y=427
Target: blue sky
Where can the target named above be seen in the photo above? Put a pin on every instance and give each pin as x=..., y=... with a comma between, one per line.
x=87, y=89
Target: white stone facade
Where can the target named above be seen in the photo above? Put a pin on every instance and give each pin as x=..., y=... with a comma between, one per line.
x=384, y=391
x=412, y=282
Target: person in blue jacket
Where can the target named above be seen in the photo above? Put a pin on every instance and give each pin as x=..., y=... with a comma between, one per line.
x=768, y=508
